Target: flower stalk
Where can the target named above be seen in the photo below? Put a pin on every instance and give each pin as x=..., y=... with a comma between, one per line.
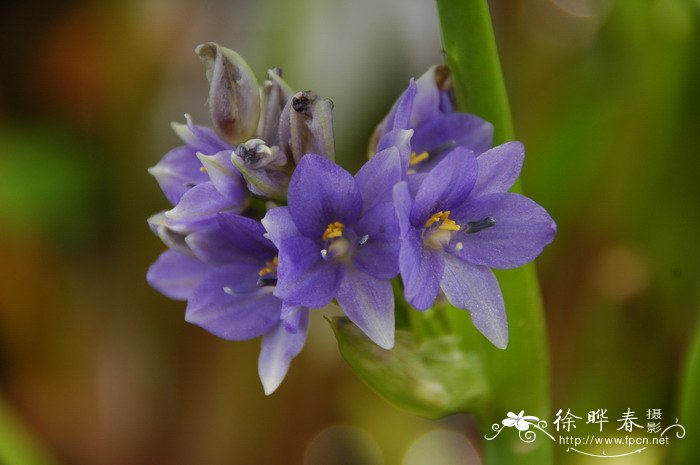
x=518, y=376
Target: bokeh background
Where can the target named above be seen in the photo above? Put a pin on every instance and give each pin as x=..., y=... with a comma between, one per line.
x=97, y=368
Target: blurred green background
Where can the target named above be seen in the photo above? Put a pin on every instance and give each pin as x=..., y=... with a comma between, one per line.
x=100, y=369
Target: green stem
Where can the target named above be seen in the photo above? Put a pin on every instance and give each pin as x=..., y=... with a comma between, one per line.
x=17, y=447
x=689, y=450
x=471, y=53
x=519, y=375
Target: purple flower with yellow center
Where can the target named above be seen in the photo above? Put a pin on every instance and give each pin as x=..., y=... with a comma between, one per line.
x=427, y=107
x=337, y=239
x=228, y=285
x=460, y=222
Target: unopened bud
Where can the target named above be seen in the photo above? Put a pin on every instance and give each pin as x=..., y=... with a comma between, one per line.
x=234, y=100
x=306, y=126
x=275, y=94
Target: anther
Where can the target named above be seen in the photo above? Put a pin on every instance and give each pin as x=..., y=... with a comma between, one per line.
x=270, y=267
x=417, y=158
x=443, y=217
x=334, y=230
x=476, y=226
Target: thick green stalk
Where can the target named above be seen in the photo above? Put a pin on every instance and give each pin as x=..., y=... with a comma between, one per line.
x=470, y=48
x=519, y=375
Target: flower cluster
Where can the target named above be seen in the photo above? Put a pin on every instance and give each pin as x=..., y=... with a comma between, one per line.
x=265, y=226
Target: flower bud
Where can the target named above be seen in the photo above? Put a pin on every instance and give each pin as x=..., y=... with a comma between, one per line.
x=275, y=93
x=171, y=238
x=306, y=126
x=234, y=100
x=263, y=167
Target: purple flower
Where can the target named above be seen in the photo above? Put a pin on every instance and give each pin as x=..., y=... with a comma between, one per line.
x=427, y=107
x=337, y=239
x=180, y=169
x=224, y=191
x=228, y=284
x=460, y=222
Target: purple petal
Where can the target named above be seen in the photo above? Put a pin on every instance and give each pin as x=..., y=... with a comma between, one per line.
x=447, y=101
x=499, y=168
x=172, y=239
x=522, y=230
x=279, y=225
x=426, y=103
x=176, y=275
x=320, y=193
x=379, y=253
x=421, y=268
x=446, y=186
x=403, y=203
x=401, y=139
x=475, y=288
x=421, y=271
x=462, y=129
x=225, y=177
x=400, y=114
x=293, y=316
x=279, y=347
x=377, y=177
x=213, y=247
x=216, y=307
x=201, y=138
x=369, y=303
x=247, y=236
x=303, y=277
x=197, y=207
x=177, y=172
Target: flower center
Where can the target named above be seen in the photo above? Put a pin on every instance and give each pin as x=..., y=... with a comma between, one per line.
x=270, y=267
x=268, y=273
x=443, y=217
x=337, y=245
x=439, y=230
x=417, y=158
x=334, y=230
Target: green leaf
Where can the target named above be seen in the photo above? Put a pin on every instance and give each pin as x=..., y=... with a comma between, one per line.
x=432, y=377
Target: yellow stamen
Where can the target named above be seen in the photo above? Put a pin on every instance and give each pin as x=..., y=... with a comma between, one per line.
x=417, y=158
x=333, y=230
x=203, y=169
x=270, y=267
x=446, y=223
